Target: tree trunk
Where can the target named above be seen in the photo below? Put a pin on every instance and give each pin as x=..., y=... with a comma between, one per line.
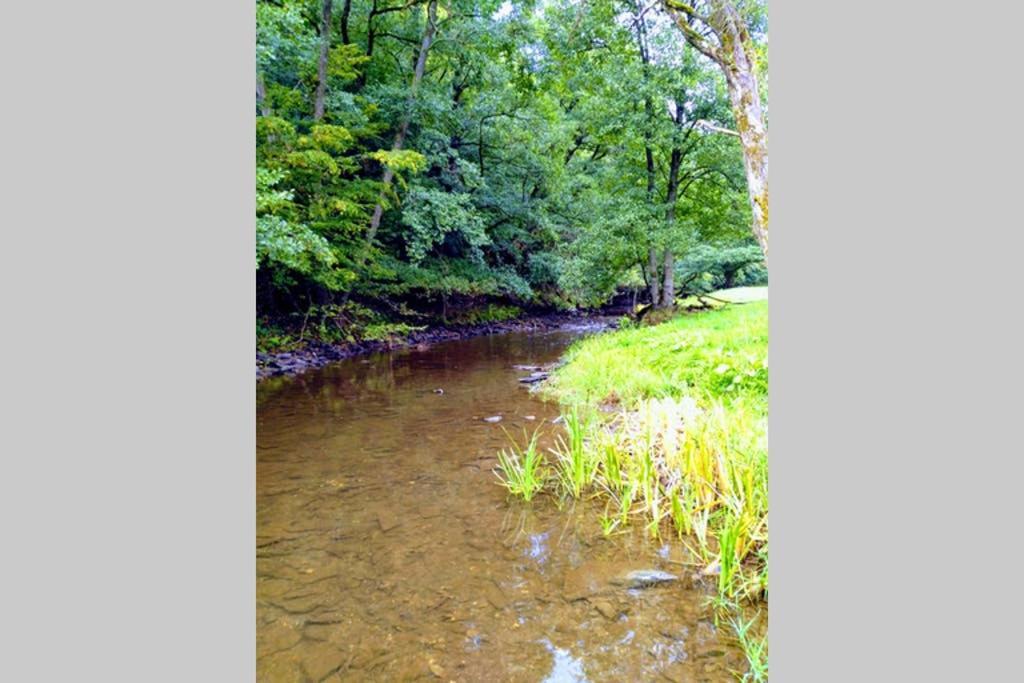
x=654, y=282
x=403, y=129
x=321, y=71
x=261, y=96
x=669, y=290
x=730, y=278
x=735, y=55
x=746, y=108
x=346, y=10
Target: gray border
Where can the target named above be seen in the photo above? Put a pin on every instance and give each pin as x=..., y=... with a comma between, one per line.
x=895, y=163
x=128, y=434
x=128, y=497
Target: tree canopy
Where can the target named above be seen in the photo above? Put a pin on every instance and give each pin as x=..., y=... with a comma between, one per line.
x=417, y=157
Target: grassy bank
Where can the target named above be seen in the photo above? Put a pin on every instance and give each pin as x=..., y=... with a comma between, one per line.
x=667, y=425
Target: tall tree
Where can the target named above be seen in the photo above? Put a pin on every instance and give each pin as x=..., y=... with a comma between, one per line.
x=719, y=30
x=321, y=71
x=429, y=32
x=653, y=281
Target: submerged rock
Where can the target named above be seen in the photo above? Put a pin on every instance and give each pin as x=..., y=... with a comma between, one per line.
x=607, y=609
x=387, y=520
x=644, y=578
x=494, y=595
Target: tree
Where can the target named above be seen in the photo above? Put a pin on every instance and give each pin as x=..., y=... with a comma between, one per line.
x=719, y=30
x=420, y=161
x=417, y=75
x=325, y=48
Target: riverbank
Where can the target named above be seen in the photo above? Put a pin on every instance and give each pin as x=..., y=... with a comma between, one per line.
x=314, y=354
x=667, y=426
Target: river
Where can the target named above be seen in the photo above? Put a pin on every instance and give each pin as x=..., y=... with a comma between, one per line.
x=387, y=551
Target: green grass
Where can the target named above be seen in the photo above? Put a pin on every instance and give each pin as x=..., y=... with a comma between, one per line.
x=715, y=354
x=755, y=649
x=684, y=450
x=521, y=469
x=576, y=465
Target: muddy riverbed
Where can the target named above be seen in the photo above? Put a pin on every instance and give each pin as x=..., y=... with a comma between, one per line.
x=387, y=551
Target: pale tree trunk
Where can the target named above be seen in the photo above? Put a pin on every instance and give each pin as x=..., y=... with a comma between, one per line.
x=321, y=71
x=668, y=290
x=746, y=109
x=261, y=96
x=734, y=54
x=669, y=293
x=403, y=130
x=654, y=281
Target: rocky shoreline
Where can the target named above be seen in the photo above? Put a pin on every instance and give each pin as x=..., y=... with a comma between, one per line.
x=316, y=354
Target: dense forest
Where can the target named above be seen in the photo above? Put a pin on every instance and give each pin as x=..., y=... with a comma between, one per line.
x=422, y=163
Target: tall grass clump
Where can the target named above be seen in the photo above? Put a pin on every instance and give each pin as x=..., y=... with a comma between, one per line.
x=576, y=464
x=521, y=469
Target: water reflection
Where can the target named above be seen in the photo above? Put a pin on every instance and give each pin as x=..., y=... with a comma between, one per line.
x=565, y=668
x=538, y=547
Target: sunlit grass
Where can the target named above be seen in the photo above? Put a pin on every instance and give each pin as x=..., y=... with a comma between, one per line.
x=576, y=465
x=719, y=353
x=521, y=470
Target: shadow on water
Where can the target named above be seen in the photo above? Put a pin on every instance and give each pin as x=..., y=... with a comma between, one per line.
x=387, y=551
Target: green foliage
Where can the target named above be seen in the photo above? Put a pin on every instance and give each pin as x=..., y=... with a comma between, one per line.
x=400, y=160
x=521, y=469
x=271, y=338
x=346, y=62
x=709, y=267
x=491, y=313
x=433, y=216
x=522, y=180
x=332, y=139
x=285, y=41
x=291, y=245
x=388, y=331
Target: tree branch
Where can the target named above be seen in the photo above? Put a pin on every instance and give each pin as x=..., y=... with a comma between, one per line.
x=707, y=125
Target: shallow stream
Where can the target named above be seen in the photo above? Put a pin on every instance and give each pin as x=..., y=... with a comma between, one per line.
x=387, y=551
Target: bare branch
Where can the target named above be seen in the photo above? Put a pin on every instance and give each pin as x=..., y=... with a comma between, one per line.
x=707, y=125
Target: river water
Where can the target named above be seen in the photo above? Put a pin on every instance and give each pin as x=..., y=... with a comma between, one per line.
x=387, y=551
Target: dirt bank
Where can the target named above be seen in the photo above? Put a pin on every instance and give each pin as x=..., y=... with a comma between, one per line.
x=316, y=354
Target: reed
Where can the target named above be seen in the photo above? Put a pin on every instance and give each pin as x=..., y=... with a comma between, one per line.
x=521, y=470
x=575, y=464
